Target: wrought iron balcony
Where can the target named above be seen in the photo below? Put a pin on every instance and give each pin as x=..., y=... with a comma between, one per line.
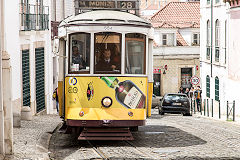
x=34, y=17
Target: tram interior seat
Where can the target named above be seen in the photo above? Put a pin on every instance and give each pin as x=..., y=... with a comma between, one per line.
x=136, y=70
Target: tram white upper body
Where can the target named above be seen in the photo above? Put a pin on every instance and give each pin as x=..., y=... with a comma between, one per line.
x=105, y=21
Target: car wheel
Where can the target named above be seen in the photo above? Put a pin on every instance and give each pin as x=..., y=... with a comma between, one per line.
x=187, y=114
x=160, y=111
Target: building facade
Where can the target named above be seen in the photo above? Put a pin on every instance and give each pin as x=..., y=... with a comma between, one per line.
x=60, y=9
x=234, y=55
x=26, y=64
x=176, y=51
x=215, y=55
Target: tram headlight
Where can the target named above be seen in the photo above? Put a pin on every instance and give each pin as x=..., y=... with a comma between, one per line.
x=106, y=102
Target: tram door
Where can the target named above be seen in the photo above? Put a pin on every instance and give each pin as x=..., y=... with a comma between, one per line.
x=156, y=84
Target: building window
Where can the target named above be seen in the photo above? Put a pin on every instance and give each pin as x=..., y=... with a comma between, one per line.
x=156, y=84
x=208, y=86
x=217, y=1
x=208, y=1
x=208, y=40
x=168, y=39
x=196, y=39
x=216, y=89
x=217, y=40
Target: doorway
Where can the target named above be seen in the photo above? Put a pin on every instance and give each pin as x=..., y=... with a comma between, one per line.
x=156, y=84
x=186, y=74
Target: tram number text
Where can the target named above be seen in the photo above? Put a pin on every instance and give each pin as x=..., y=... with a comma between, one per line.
x=127, y=5
x=107, y=28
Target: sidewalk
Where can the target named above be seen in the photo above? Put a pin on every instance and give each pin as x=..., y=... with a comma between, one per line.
x=216, y=118
x=32, y=138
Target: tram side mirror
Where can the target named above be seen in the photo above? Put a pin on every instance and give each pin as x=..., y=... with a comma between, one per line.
x=56, y=45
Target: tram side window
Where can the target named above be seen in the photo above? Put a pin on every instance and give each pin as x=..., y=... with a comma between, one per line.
x=79, y=52
x=107, y=53
x=135, y=53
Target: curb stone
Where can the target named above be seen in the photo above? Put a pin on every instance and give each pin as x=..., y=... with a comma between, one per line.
x=43, y=142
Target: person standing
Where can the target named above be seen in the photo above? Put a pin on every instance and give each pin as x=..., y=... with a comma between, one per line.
x=187, y=92
x=191, y=93
x=55, y=97
x=181, y=90
x=197, y=94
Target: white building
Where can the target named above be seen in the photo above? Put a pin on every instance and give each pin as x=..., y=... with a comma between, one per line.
x=233, y=47
x=176, y=51
x=26, y=79
x=60, y=10
x=215, y=55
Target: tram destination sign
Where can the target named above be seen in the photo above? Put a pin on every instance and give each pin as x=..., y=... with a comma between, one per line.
x=81, y=5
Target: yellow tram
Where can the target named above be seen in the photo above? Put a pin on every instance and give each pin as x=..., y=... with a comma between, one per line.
x=105, y=73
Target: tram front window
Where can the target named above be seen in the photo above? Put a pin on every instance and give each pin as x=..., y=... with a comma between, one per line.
x=135, y=53
x=107, y=53
x=79, y=53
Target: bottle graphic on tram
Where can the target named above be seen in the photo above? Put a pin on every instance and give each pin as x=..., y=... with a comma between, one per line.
x=126, y=93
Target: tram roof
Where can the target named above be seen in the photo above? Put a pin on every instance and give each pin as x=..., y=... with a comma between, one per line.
x=105, y=17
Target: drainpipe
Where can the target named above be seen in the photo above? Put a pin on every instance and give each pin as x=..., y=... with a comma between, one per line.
x=63, y=9
x=2, y=148
x=211, y=36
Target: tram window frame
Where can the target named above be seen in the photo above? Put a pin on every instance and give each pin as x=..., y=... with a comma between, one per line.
x=144, y=40
x=110, y=48
x=70, y=56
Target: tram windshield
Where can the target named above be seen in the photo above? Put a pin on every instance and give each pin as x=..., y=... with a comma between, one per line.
x=135, y=53
x=79, y=52
x=107, y=53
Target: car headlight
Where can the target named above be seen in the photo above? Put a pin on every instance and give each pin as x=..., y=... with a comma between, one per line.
x=106, y=102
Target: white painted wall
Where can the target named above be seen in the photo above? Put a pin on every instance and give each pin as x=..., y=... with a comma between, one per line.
x=158, y=34
x=12, y=44
x=187, y=34
x=234, y=61
x=177, y=50
x=69, y=8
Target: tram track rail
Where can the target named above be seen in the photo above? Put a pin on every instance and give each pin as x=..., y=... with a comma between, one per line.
x=139, y=150
x=98, y=151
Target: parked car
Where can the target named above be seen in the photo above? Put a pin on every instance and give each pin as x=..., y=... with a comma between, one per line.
x=156, y=101
x=175, y=103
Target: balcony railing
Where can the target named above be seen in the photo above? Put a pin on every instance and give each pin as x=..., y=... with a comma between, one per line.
x=34, y=17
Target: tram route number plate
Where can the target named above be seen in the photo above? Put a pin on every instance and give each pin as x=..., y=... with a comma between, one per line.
x=127, y=4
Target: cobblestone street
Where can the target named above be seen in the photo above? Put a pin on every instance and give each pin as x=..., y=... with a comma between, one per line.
x=164, y=137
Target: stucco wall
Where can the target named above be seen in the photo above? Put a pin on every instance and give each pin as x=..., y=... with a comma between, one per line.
x=171, y=81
